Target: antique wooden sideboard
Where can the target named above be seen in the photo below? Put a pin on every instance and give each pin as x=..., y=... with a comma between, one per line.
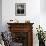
x=22, y=33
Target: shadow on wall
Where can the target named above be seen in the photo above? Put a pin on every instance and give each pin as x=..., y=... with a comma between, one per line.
x=43, y=6
x=0, y=15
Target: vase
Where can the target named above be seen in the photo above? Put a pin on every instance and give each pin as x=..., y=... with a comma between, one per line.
x=41, y=43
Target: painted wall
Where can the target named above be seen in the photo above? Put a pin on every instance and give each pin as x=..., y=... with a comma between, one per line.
x=43, y=14
x=43, y=6
x=33, y=13
x=0, y=15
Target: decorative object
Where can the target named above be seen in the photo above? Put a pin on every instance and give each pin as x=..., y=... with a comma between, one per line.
x=27, y=21
x=41, y=36
x=20, y=9
x=13, y=21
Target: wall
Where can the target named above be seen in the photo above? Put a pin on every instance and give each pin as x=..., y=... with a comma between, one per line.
x=33, y=13
x=43, y=14
x=0, y=14
x=43, y=6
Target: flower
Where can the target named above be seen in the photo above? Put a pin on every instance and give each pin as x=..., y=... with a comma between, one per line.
x=40, y=33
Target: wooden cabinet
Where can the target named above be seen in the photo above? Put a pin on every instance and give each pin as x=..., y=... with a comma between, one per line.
x=22, y=33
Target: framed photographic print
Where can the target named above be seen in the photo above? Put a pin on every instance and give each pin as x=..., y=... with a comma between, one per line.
x=20, y=9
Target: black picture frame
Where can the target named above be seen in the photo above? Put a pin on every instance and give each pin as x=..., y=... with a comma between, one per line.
x=20, y=9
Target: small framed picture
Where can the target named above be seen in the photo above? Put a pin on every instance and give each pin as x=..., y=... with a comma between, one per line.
x=20, y=9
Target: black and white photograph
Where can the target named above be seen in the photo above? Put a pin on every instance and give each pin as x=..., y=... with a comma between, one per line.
x=20, y=9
